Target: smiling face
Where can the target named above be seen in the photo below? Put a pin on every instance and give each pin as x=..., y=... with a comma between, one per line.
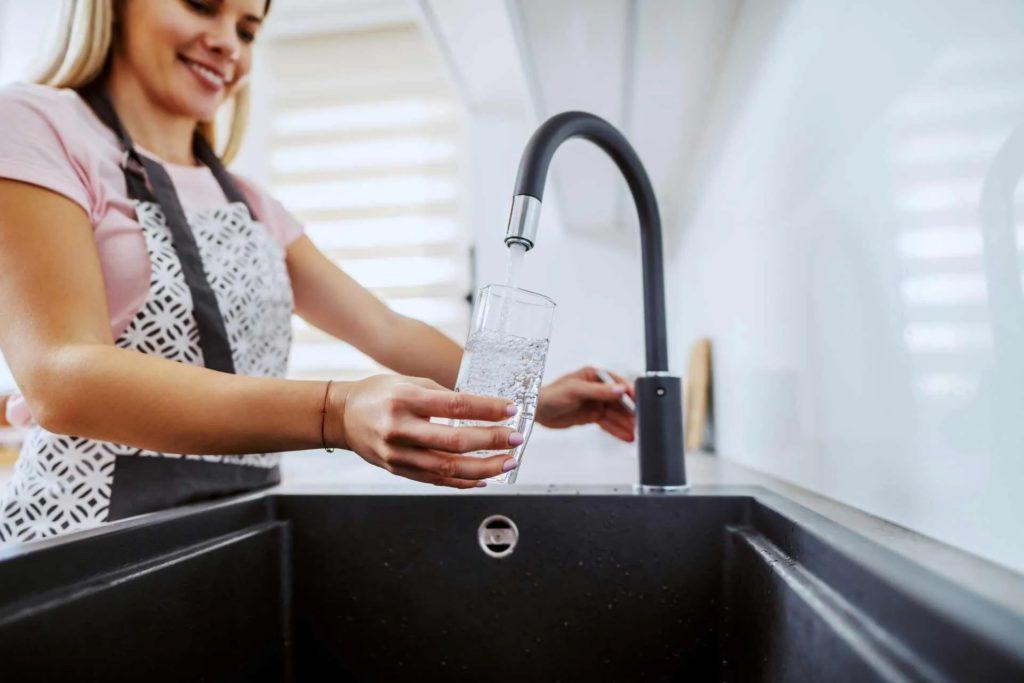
x=189, y=56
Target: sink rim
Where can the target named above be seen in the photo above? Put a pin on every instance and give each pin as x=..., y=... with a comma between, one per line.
x=998, y=623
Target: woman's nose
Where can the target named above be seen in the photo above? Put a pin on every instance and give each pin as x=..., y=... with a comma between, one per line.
x=223, y=39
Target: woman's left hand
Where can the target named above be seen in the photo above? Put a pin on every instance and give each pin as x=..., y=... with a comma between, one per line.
x=581, y=398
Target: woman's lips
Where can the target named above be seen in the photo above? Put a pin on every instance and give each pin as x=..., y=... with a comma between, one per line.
x=209, y=78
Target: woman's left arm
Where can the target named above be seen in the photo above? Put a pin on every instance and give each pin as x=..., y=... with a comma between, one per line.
x=327, y=298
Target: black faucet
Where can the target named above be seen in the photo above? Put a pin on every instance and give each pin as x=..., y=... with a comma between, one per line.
x=659, y=394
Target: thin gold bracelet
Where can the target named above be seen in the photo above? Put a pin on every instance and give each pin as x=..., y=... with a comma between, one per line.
x=323, y=418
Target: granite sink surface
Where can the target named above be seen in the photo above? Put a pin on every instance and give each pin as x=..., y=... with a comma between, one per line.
x=554, y=583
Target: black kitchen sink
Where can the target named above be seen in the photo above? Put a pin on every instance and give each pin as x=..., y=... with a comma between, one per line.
x=717, y=584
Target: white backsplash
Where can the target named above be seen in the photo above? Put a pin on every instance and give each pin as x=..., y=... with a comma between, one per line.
x=856, y=256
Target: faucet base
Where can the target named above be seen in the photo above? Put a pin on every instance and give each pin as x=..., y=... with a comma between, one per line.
x=659, y=407
x=650, y=489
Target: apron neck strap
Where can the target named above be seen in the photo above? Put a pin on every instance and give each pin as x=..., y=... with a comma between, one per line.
x=201, y=148
x=98, y=100
x=148, y=181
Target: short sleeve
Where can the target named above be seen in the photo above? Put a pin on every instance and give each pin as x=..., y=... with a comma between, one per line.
x=34, y=147
x=284, y=227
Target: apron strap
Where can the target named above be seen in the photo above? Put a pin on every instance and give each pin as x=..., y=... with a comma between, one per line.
x=213, y=336
x=201, y=148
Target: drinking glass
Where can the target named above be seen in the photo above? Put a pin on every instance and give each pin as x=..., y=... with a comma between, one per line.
x=505, y=355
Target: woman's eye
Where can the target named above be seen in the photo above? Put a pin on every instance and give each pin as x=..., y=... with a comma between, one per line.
x=246, y=36
x=200, y=6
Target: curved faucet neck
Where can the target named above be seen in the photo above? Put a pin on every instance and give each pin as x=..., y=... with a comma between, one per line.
x=529, y=192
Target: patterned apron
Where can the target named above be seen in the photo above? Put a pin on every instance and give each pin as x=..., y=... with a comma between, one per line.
x=219, y=297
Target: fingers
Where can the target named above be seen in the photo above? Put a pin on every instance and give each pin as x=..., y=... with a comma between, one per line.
x=630, y=389
x=438, y=467
x=427, y=478
x=460, y=406
x=460, y=439
x=590, y=373
x=598, y=391
x=426, y=383
x=620, y=426
x=618, y=432
x=620, y=409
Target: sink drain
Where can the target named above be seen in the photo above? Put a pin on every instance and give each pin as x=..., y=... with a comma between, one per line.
x=498, y=536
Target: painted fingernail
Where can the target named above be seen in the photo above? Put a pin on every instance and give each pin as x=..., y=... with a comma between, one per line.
x=511, y=409
x=480, y=484
x=509, y=465
x=515, y=439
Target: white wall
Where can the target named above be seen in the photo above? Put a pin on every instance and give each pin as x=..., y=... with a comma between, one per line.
x=855, y=253
x=596, y=284
x=25, y=28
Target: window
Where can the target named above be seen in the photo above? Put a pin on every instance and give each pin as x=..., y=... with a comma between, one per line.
x=365, y=148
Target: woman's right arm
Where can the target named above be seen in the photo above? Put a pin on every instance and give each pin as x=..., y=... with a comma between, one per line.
x=55, y=335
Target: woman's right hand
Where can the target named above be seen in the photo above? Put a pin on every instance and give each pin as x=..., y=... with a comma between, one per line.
x=386, y=420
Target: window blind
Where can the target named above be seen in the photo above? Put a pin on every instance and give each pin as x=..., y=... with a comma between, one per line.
x=366, y=149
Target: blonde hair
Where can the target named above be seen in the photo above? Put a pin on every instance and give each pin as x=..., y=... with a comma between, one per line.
x=85, y=36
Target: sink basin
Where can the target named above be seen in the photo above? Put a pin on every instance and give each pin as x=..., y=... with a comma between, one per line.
x=720, y=583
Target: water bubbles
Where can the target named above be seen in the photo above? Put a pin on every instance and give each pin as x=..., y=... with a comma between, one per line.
x=506, y=365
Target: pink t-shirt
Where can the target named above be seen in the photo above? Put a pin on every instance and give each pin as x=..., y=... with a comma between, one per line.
x=51, y=138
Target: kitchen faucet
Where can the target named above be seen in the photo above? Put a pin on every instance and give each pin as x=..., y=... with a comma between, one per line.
x=658, y=393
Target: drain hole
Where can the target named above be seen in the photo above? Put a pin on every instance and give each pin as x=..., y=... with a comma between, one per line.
x=498, y=536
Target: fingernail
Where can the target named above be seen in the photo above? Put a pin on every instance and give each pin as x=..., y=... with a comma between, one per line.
x=620, y=390
x=515, y=439
x=481, y=483
x=509, y=465
x=511, y=409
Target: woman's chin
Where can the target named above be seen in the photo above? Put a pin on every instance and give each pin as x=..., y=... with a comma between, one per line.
x=201, y=108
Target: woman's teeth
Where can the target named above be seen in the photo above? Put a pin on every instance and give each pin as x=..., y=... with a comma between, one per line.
x=211, y=77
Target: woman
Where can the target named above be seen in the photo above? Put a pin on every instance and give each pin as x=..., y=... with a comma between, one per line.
x=147, y=294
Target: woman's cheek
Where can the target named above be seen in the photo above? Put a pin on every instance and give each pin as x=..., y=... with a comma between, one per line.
x=240, y=80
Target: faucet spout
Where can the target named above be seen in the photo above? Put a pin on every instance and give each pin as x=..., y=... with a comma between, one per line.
x=659, y=394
